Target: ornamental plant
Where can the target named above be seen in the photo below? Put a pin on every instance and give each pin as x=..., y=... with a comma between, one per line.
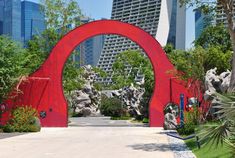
x=23, y=119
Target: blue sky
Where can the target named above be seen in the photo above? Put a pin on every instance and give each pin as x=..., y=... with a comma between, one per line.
x=98, y=9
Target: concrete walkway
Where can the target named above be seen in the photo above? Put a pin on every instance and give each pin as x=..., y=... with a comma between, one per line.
x=102, y=122
x=89, y=142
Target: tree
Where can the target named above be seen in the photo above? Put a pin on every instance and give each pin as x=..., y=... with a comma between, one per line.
x=228, y=9
x=127, y=66
x=192, y=65
x=71, y=77
x=61, y=16
x=45, y=42
x=217, y=57
x=169, y=48
x=217, y=36
x=15, y=62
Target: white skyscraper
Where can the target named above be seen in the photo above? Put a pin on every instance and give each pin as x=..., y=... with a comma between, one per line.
x=165, y=20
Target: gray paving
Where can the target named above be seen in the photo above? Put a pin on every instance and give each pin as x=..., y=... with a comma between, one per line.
x=8, y=135
x=102, y=122
x=89, y=138
x=180, y=149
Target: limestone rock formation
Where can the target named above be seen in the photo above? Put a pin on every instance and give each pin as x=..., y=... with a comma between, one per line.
x=170, y=122
x=171, y=112
x=225, y=77
x=85, y=102
x=131, y=97
x=216, y=83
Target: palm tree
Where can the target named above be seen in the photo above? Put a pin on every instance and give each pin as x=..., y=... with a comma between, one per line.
x=224, y=130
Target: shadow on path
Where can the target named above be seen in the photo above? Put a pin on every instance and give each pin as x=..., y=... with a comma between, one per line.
x=151, y=147
x=9, y=135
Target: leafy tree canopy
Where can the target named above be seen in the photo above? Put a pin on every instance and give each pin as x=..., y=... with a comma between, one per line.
x=61, y=14
x=227, y=8
x=128, y=65
x=15, y=62
x=215, y=36
x=196, y=62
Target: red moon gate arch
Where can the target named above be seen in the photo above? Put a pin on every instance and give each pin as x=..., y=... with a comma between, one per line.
x=44, y=91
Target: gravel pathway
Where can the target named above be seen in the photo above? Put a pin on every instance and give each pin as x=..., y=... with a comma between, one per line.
x=179, y=148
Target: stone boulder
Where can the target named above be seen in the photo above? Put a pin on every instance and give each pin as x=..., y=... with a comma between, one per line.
x=85, y=102
x=131, y=96
x=170, y=122
x=216, y=83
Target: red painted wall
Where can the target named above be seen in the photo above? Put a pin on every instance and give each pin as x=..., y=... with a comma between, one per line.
x=44, y=91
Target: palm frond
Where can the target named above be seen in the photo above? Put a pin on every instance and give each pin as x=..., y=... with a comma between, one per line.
x=214, y=133
x=219, y=133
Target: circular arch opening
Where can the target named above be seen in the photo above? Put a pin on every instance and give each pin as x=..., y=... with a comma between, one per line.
x=81, y=98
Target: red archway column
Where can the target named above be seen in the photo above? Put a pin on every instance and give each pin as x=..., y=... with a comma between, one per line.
x=44, y=89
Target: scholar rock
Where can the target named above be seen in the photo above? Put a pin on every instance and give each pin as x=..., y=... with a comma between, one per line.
x=170, y=122
x=216, y=83
x=85, y=102
x=131, y=97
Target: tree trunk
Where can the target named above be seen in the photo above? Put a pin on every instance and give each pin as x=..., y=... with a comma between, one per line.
x=227, y=6
x=232, y=80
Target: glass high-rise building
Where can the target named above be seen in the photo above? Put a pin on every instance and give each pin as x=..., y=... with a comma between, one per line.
x=1, y=16
x=32, y=20
x=20, y=20
x=165, y=20
x=12, y=19
x=199, y=22
x=90, y=49
x=204, y=20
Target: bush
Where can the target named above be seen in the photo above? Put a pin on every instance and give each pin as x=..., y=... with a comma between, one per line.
x=121, y=118
x=145, y=120
x=23, y=119
x=8, y=128
x=188, y=129
x=136, y=116
x=193, y=116
x=192, y=119
x=112, y=107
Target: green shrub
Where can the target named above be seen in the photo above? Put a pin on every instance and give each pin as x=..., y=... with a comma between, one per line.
x=112, y=107
x=8, y=128
x=35, y=126
x=121, y=118
x=1, y=128
x=187, y=129
x=192, y=120
x=23, y=119
x=145, y=120
x=193, y=116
